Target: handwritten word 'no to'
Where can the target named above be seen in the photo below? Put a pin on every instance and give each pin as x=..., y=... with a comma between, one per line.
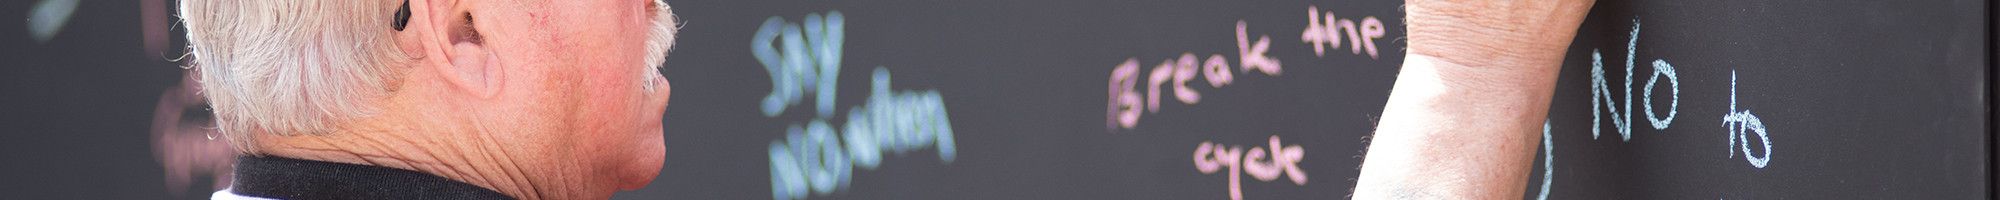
x=1741, y=122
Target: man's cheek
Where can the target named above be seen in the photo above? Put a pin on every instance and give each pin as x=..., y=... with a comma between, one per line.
x=614, y=107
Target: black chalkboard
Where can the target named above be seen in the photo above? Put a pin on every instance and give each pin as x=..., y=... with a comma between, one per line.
x=1846, y=99
x=1027, y=99
x=1868, y=100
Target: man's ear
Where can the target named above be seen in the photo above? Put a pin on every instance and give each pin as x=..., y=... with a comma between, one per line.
x=473, y=66
x=446, y=39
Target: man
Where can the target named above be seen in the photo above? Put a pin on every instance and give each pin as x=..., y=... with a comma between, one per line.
x=1462, y=120
x=435, y=99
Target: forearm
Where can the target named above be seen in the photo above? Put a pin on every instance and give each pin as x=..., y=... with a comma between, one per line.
x=1452, y=131
x=1460, y=121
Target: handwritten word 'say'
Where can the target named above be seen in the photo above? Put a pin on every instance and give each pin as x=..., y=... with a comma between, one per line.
x=1262, y=163
x=1324, y=31
x=1123, y=109
x=809, y=62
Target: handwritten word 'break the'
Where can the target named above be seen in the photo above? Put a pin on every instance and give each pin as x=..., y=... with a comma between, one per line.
x=1124, y=102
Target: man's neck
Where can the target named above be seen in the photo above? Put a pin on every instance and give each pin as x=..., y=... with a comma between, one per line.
x=260, y=177
x=455, y=152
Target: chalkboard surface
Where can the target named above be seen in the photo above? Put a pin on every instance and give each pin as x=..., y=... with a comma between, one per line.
x=1276, y=100
x=1861, y=99
x=1146, y=99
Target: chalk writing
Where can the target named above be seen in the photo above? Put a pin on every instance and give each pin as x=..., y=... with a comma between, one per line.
x=1210, y=158
x=814, y=156
x=1740, y=123
x=810, y=62
x=1601, y=93
x=1323, y=32
x=1124, y=111
x=820, y=157
x=1548, y=160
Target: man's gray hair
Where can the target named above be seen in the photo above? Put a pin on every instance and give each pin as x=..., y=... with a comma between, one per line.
x=287, y=67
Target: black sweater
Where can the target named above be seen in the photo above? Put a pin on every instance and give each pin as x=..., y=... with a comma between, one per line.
x=288, y=178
